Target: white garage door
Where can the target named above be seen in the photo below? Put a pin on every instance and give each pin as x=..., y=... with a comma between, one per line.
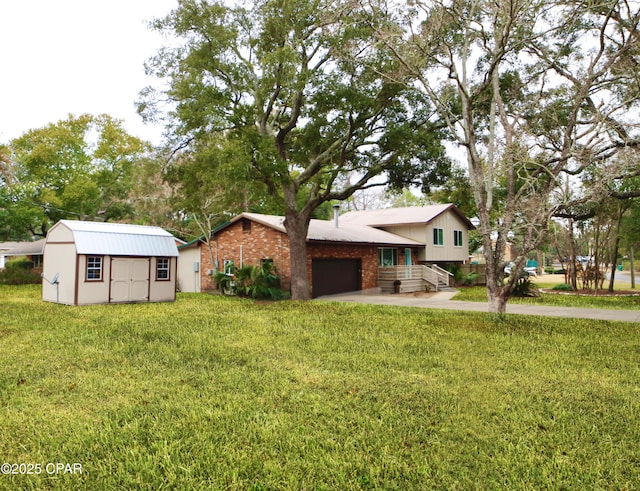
x=129, y=279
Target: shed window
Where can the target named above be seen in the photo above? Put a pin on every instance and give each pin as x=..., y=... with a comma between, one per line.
x=457, y=238
x=162, y=269
x=387, y=257
x=94, y=268
x=438, y=236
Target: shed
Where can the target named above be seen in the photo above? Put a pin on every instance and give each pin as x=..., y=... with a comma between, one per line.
x=94, y=263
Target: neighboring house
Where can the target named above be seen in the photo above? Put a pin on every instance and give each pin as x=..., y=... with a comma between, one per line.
x=31, y=250
x=93, y=263
x=443, y=229
x=5, y=249
x=341, y=257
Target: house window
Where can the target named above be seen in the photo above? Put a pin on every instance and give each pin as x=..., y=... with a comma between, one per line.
x=387, y=257
x=228, y=266
x=438, y=236
x=162, y=269
x=94, y=268
x=457, y=238
x=246, y=225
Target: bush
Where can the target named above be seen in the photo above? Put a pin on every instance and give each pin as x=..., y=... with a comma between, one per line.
x=225, y=283
x=525, y=288
x=563, y=287
x=259, y=281
x=470, y=278
x=19, y=272
x=460, y=277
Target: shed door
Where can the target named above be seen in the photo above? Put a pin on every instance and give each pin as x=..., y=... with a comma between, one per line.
x=331, y=276
x=129, y=279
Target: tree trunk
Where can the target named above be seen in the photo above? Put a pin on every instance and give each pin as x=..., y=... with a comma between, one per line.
x=614, y=263
x=497, y=300
x=632, y=268
x=497, y=294
x=573, y=273
x=297, y=227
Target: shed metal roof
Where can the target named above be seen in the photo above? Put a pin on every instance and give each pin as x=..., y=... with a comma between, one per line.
x=326, y=231
x=117, y=239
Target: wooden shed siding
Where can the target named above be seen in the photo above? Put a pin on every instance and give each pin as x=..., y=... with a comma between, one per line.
x=91, y=292
x=163, y=290
x=60, y=257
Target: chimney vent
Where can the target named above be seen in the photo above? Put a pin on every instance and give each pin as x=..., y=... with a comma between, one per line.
x=336, y=214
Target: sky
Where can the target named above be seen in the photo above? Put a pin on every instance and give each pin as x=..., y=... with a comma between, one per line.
x=75, y=56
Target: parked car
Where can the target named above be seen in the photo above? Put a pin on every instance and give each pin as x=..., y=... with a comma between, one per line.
x=528, y=271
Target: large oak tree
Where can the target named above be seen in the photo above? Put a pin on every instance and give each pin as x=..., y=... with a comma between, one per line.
x=296, y=84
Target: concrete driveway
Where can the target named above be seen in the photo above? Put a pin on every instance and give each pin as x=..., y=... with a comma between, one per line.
x=442, y=300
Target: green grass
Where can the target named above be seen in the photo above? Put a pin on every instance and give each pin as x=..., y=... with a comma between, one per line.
x=220, y=393
x=479, y=294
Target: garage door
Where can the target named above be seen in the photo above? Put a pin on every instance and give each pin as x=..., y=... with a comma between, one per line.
x=331, y=276
x=129, y=280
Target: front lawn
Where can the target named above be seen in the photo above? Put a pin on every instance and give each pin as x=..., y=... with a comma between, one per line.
x=562, y=299
x=221, y=393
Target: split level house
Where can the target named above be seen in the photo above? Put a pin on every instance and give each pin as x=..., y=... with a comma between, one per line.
x=355, y=251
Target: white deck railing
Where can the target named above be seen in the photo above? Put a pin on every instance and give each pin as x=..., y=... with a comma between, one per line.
x=412, y=278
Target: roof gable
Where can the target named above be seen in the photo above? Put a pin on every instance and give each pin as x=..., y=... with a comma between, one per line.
x=402, y=216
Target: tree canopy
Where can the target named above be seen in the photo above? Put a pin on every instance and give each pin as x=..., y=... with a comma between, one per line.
x=296, y=88
x=80, y=168
x=536, y=93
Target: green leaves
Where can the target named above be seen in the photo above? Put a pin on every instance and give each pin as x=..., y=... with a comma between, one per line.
x=305, y=73
x=81, y=167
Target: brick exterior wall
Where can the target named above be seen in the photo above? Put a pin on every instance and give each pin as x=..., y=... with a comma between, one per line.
x=249, y=242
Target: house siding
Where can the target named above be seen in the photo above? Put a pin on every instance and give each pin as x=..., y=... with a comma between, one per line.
x=448, y=222
x=188, y=279
x=447, y=252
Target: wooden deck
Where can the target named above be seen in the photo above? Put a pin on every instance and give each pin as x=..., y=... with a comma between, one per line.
x=413, y=278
